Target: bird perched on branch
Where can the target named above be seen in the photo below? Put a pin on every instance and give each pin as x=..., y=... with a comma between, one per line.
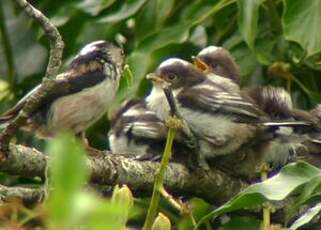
x=81, y=94
x=219, y=65
x=221, y=121
x=137, y=131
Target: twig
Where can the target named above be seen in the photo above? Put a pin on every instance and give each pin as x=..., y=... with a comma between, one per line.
x=27, y=195
x=54, y=63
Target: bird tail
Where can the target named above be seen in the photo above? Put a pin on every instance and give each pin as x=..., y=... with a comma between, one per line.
x=289, y=123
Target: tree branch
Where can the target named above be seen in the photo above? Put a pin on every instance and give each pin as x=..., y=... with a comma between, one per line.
x=111, y=169
x=27, y=195
x=54, y=63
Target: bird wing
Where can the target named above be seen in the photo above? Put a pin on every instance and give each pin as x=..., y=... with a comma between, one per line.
x=65, y=83
x=148, y=130
x=211, y=99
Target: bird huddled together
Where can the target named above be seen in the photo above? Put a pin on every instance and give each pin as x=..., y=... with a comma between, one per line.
x=234, y=129
x=223, y=123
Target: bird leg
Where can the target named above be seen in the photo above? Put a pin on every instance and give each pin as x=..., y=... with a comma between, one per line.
x=91, y=151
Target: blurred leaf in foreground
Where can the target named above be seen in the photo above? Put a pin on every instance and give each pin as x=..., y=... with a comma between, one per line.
x=68, y=173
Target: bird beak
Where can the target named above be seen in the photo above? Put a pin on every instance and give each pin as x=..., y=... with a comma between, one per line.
x=157, y=80
x=199, y=64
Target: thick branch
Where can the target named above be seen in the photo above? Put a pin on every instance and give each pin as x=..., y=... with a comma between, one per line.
x=27, y=195
x=24, y=161
x=213, y=185
x=56, y=51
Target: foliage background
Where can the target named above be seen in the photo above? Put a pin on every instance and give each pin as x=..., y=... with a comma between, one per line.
x=275, y=42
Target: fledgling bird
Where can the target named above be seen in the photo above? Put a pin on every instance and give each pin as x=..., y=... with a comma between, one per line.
x=219, y=65
x=82, y=93
x=275, y=149
x=137, y=131
x=221, y=121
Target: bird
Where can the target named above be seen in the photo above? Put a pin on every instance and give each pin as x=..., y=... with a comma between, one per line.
x=221, y=121
x=136, y=131
x=81, y=94
x=218, y=63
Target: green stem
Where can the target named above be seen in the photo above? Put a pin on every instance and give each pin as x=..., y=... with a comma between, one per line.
x=159, y=179
x=7, y=48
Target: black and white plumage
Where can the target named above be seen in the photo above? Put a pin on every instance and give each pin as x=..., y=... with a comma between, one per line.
x=219, y=65
x=82, y=94
x=137, y=131
x=221, y=121
x=276, y=149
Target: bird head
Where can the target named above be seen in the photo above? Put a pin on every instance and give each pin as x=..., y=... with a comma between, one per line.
x=219, y=61
x=99, y=52
x=175, y=73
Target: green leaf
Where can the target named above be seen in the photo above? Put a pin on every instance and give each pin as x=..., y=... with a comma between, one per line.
x=94, y=7
x=276, y=188
x=242, y=223
x=68, y=173
x=151, y=17
x=309, y=190
x=248, y=19
x=301, y=22
x=164, y=8
x=174, y=34
x=127, y=9
x=62, y=15
x=306, y=217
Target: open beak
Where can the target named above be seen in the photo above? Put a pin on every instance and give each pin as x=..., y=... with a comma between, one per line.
x=199, y=64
